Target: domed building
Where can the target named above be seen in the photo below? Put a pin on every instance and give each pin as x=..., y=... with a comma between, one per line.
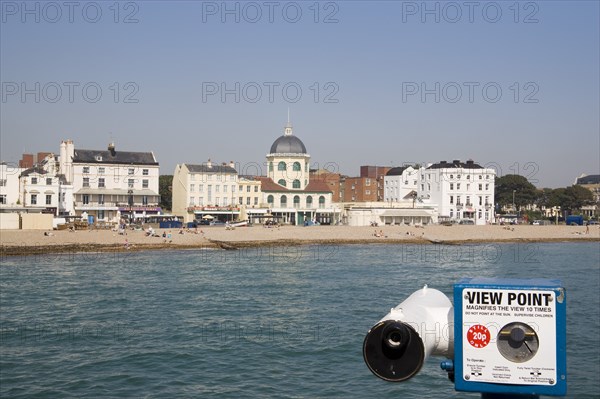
x=291, y=196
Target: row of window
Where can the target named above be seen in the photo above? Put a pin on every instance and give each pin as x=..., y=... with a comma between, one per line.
x=296, y=201
x=468, y=198
x=34, y=199
x=218, y=188
x=35, y=180
x=487, y=177
x=295, y=183
x=102, y=170
x=224, y=201
x=100, y=199
x=102, y=182
x=209, y=177
x=479, y=214
x=282, y=166
x=479, y=186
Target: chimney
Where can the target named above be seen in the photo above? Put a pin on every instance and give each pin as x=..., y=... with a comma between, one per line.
x=232, y=164
x=111, y=148
x=209, y=164
x=456, y=161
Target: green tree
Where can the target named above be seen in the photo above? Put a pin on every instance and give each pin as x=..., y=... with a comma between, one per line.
x=575, y=197
x=525, y=193
x=165, y=184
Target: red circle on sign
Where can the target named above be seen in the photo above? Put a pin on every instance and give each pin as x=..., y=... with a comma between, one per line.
x=478, y=336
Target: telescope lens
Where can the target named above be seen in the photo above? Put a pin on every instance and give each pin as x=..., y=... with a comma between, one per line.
x=393, y=351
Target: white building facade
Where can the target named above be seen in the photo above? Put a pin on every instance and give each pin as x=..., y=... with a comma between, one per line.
x=459, y=190
x=400, y=184
x=207, y=189
x=9, y=185
x=110, y=185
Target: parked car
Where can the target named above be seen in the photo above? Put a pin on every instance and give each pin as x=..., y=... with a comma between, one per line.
x=466, y=221
x=217, y=223
x=536, y=222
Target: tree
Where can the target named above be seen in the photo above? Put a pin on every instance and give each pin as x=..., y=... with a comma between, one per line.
x=575, y=197
x=525, y=193
x=165, y=185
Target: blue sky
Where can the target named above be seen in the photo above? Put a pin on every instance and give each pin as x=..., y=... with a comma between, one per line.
x=512, y=85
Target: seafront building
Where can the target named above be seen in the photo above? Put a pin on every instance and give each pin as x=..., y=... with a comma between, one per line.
x=285, y=194
x=458, y=190
x=9, y=185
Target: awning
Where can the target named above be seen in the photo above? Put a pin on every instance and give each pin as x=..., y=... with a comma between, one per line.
x=115, y=191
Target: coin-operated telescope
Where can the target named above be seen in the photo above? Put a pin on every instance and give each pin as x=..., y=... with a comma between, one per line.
x=503, y=337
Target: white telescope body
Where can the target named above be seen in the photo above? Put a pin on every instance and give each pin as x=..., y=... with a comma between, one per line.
x=423, y=325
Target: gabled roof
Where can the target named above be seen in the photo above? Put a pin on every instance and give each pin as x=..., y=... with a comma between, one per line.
x=589, y=179
x=315, y=186
x=455, y=164
x=203, y=168
x=35, y=170
x=114, y=157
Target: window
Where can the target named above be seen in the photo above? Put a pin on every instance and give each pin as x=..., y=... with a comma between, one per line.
x=296, y=201
x=130, y=171
x=217, y=201
x=233, y=188
x=248, y=199
x=368, y=182
x=34, y=180
x=283, y=201
x=48, y=199
x=469, y=200
x=468, y=177
x=281, y=166
x=480, y=187
x=468, y=186
x=219, y=177
x=224, y=188
x=3, y=199
x=480, y=200
x=200, y=187
x=255, y=201
x=321, y=201
x=281, y=182
x=192, y=176
x=458, y=200
x=100, y=199
x=270, y=200
x=191, y=201
x=101, y=183
x=296, y=184
x=145, y=183
x=487, y=186
x=255, y=189
x=241, y=200
x=86, y=182
x=451, y=186
x=452, y=199
x=201, y=201
x=458, y=186
x=270, y=166
x=297, y=167
x=217, y=188
x=309, y=201
x=368, y=192
x=48, y=181
x=101, y=170
x=247, y=189
x=241, y=189
x=192, y=188
x=452, y=176
x=451, y=213
x=2, y=182
x=85, y=198
x=458, y=176
x=145, y=172
x=86, y=169
x=225, y=200
x=130, y=183
x=100, y=214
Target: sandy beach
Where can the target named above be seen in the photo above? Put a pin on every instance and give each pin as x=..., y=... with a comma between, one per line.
x=28, y=242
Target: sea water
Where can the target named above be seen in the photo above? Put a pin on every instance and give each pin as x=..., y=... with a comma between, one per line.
x=261, y=322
